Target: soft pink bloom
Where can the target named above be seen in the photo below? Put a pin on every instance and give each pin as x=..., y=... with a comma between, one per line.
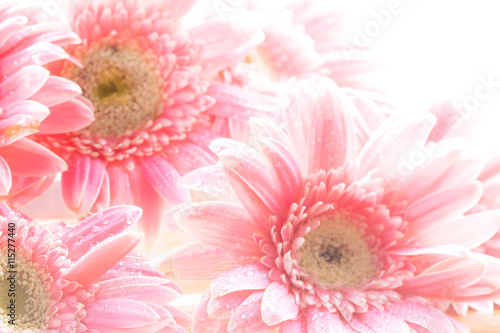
x=313, y=235
x=83, y=279
x=453, y=120
x=31, y=100
x=143, y=75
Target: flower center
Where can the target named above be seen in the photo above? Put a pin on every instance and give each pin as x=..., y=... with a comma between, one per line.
x=24, y=295
x=337, y=254
x=123, y=86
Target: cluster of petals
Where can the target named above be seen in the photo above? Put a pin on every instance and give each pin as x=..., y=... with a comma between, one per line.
x=411, y=209
x=141, y=165
x=32, y=100
x=84, y=278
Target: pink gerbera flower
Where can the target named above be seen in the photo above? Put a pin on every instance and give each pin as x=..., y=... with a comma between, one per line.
x=142, y=74
x=32, y=100
x=314, y=236
x=456, y=121
x=81, y=279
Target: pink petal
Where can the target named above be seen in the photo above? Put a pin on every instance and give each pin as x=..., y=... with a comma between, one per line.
x=56, y=90
x=469, y=231
x=225, y=42
x=153, y=205
x=191, y=157
x=220, y=224
x=223, y=307
x=101, y=258
x=422, y=315
x=200, y=261
x=202, y=322
x=66, y=117
x=120, y=191
x=331, y=135
x=443, y=278
x=163, y=177
x=151, y=293
x=378, y=321
x=323, y=321
x=278, y=304
x=252, y=276
x=5, y=177
x=210, y=180
x=29, y=159
x=294, y=326
x=393, y=140
x=247, y=317
x=97, y=228
x=82, y=182
x=21, y=120
x=116, y=313
x=23, y=84
x=444, y=204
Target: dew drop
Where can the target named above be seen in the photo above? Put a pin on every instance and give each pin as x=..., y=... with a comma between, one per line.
x=96, y=229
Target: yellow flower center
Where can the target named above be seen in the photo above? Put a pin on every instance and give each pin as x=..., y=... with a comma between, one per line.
x=337, y=254
x=24, y=297
x=124, y=87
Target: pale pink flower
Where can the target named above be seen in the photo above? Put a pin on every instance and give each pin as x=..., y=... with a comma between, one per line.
x=82, y=279
x=142, y=73
x=312, y=235
x=453, y=120
x=32, y=100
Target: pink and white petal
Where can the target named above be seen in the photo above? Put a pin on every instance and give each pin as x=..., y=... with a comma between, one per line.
x=81, y=183
x=393, y=141
x=132, y=264
x=152, y=293
x=153, y=205
x=29, y=159
x=469, y=231
x=446, y=204
x=97, y=228
x=322, y=321
x=253, y=276
x=223, y=307
x=25, y=189
x=294, y=326
x=120, y=189
x=177, y=8
x=101, y=258
x=103, y=199
x=228, y=41
x=247, y=317
x=56, y=90
x=278, y=304
x=5, y=177
x=191, y=157
x=21, y=120
x=444, y=278
x=331, y=135
x=422, y=315
x=22, y=85
x=163, y=177
x=69, y=116
x=220, y=224
x=118, y=313
x=200, y=261
x=378, y=321
x=280, y=152
x=202, y=322
x=209, y=180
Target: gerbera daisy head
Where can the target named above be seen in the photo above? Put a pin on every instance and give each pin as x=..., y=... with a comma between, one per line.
x=62, y=279
x=31, y=99
x=323, y=237
x=143, y=75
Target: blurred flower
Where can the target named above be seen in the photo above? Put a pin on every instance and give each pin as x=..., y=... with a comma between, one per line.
x=312, y=235
x=32, y=100
x=142, y=73
x=78, y=280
